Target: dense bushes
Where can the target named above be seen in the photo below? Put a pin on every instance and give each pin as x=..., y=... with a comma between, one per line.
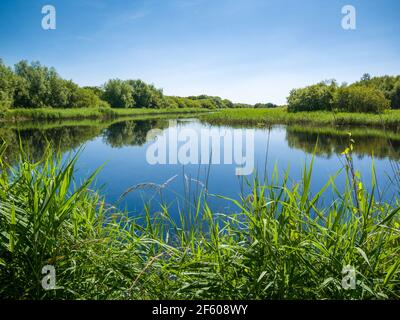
x=265, y=105
x=312, y=98
x=357, y=97
x=212, y=101
x=360, y=99
x=201, y=101
x=132, y=94
x=119, y=94
x=7, y=86
x=389, y=85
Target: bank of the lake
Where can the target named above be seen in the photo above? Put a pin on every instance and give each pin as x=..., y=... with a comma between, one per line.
x=15, y=115
x=239, y=116
x=260, y=117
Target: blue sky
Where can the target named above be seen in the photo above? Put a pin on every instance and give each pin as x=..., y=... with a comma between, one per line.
x=245, y=50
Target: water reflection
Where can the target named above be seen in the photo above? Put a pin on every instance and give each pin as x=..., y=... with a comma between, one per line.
x=331, y=142
x=34, y=140
x=131, y=133
x=122, y=146
x=35, y=137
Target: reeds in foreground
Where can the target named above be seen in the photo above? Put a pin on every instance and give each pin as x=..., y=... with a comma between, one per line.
x=281, y=243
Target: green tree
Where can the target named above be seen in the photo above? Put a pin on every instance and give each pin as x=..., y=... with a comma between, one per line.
x=387, y=84
x=58, y=95
x=395, y=95
x=34, y=86
x=268, y=105
x=119, y=94
x=361, y=99
x=85, y=98
x=366, y=77
x=8, y=83
x=98, y=91
x=315, y=97
x=146, y=95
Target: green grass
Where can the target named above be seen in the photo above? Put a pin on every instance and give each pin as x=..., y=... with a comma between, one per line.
x=390, y=119
x=102, y=123
x=251, y=117
x=87, y=113
x=280, y=243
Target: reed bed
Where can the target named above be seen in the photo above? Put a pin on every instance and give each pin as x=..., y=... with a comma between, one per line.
x=282, y=241
x=246, y=116
x=88, y=113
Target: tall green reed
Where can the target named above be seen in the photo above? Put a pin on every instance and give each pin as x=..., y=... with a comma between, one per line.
x=280, y=242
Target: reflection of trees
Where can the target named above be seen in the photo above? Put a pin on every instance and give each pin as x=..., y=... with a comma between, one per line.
x=128, y=133
x=334, y=142
x=34, y=141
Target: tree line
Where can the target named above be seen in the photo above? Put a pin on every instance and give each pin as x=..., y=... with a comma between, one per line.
x=374, y=95
x=32, y=85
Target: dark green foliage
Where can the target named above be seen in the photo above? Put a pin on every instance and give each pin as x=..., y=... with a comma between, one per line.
x=212, y=102
x=98, y=91
x=198, y=102
x=361, y=99
x=119, y=94
x=395, y=95
x=312, y=98
x=146, y=95
x=85, y=98
x=133, y=94
x=242, y=105
x=373, y=95
x=8, y=83
x=265, y=105
x=389, y=85
x=35, y=86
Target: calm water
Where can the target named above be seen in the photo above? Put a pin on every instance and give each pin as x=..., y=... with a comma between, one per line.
x=122, y=147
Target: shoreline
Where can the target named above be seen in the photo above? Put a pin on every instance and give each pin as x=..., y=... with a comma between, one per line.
x=40, y=114
x=239, y=117
x=260, y=117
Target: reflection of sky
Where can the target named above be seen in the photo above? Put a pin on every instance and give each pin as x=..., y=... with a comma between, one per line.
x=127, y=166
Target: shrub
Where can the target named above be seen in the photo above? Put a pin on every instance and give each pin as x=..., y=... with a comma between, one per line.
x=7, y=85
x=395, y=96
x=85, y=98
x=312, y=98
x=389, y=85
x=268, y=105
x=119, y=94
x=361, y=99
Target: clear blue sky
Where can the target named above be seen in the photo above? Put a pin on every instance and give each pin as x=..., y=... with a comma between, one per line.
x=245, y=50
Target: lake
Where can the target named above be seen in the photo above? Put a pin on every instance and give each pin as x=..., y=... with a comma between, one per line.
x=122, y=146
